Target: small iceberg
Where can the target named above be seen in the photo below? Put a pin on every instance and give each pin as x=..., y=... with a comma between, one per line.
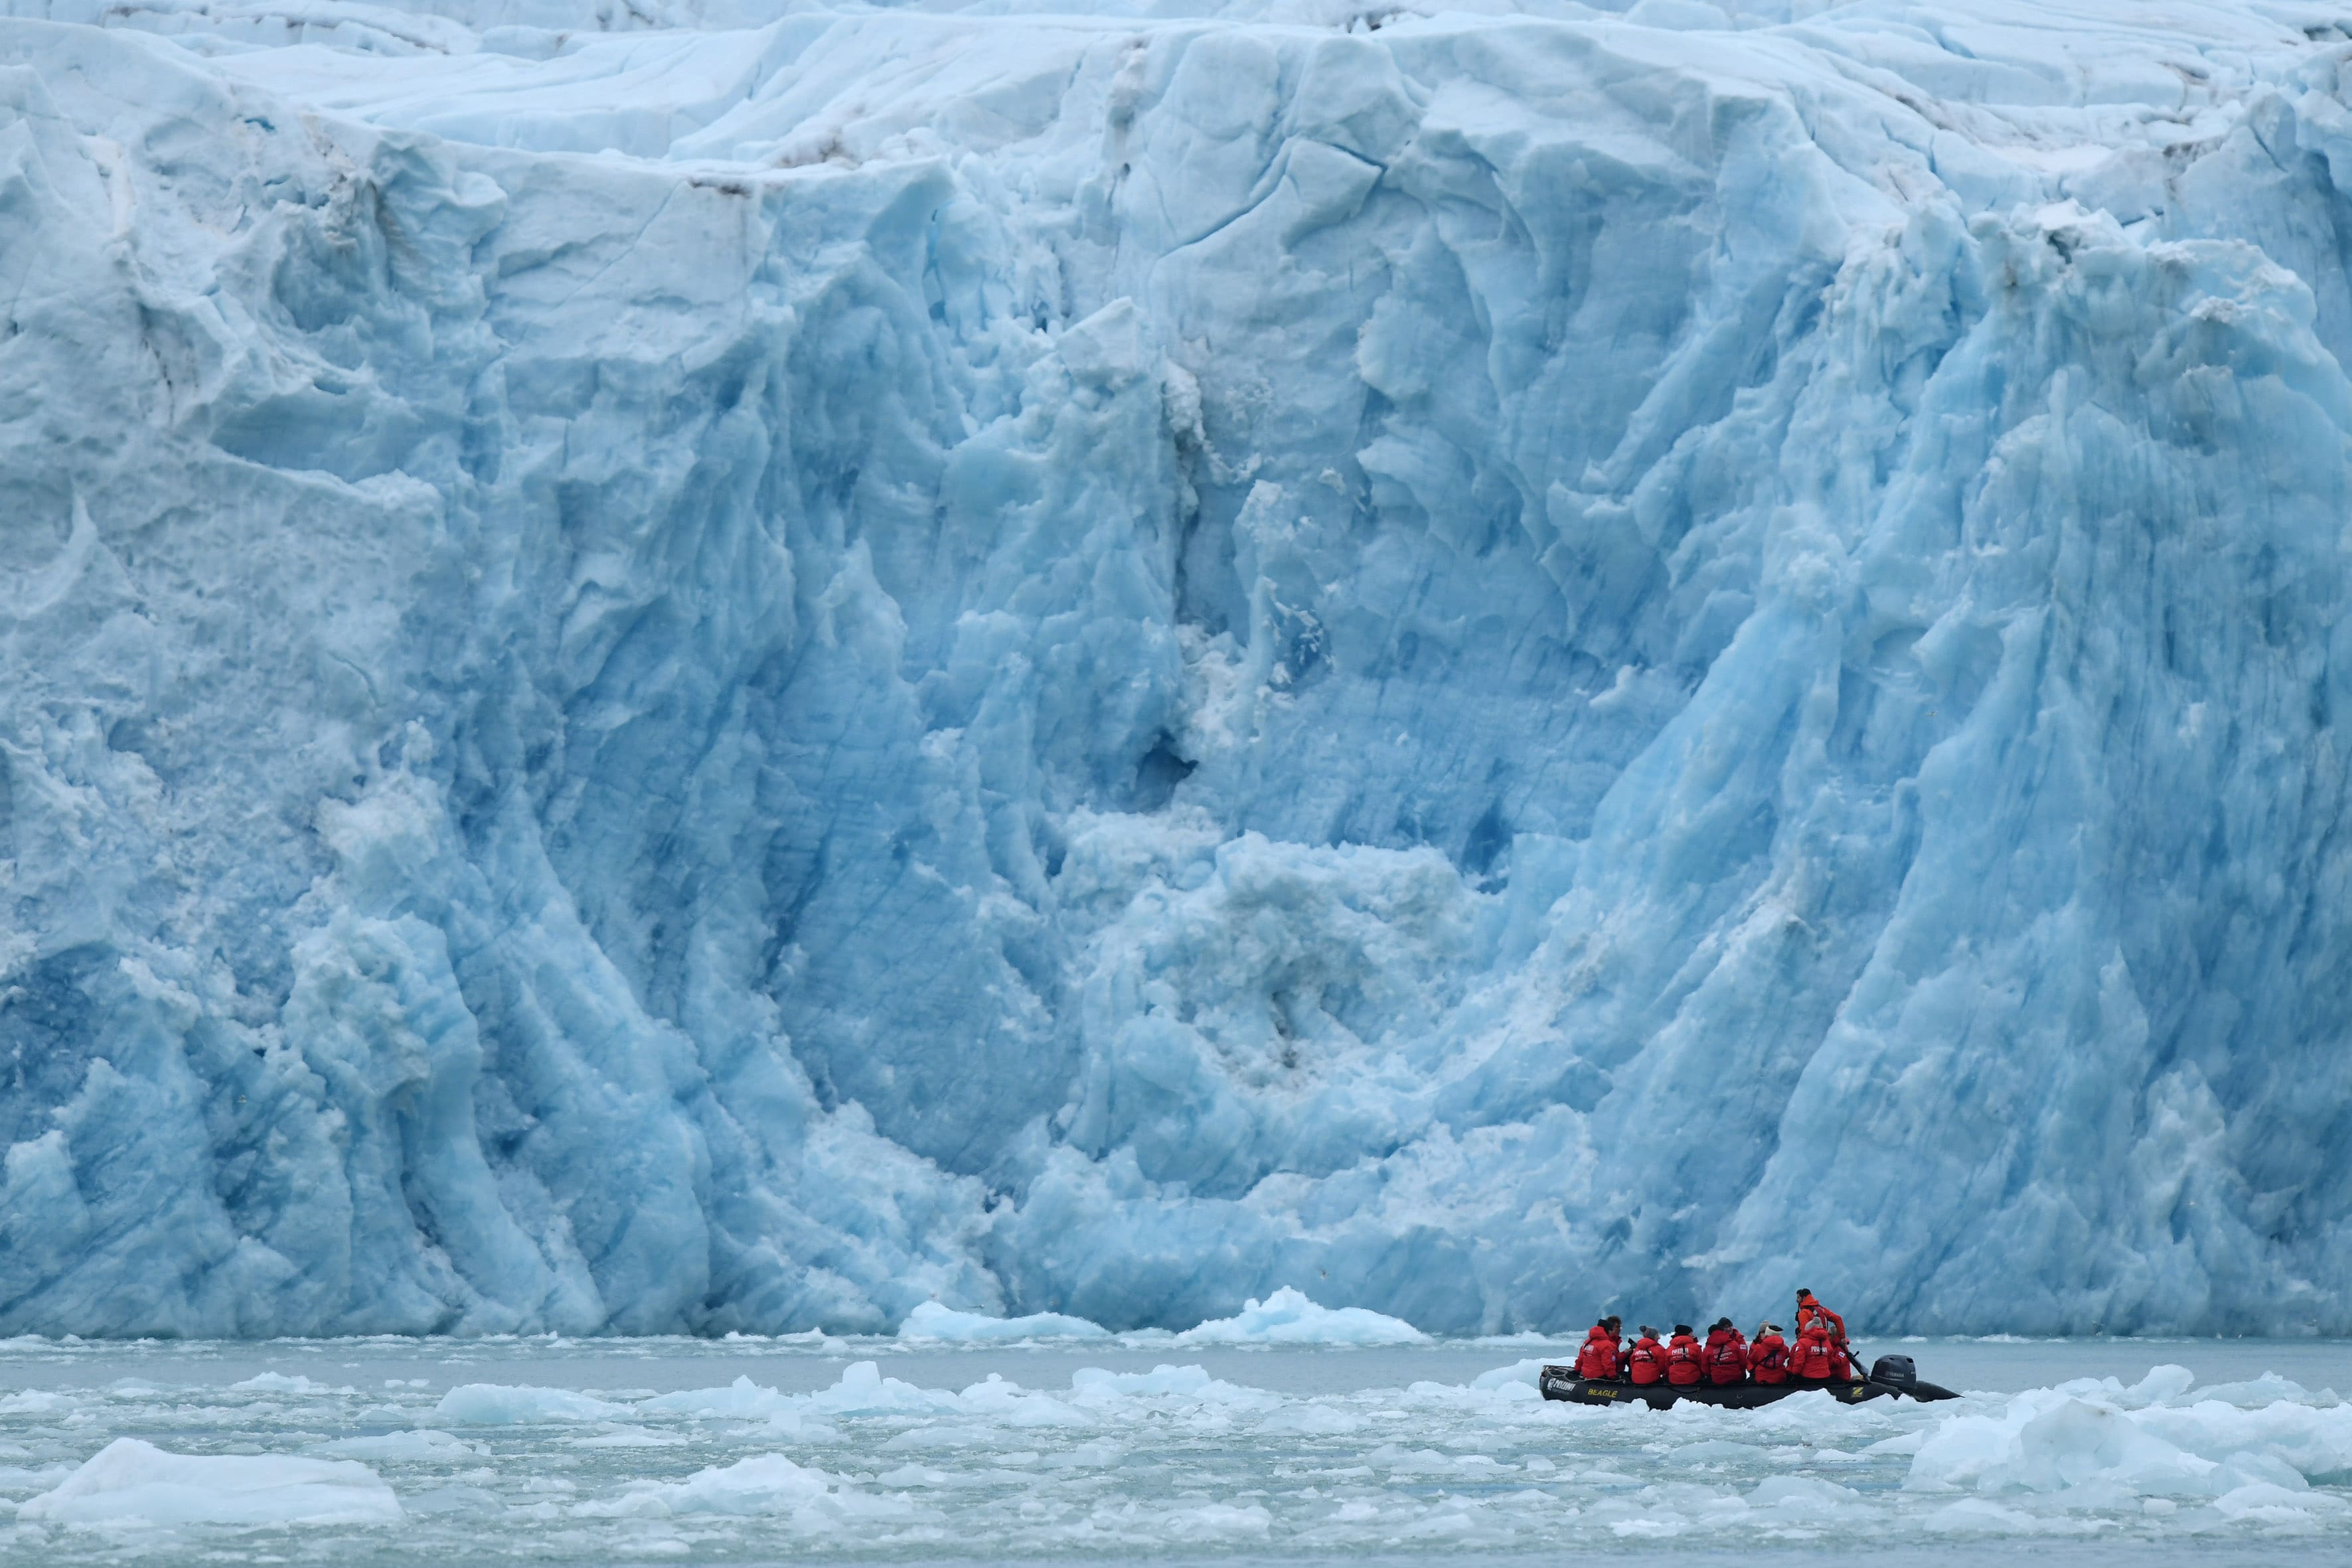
x=499, y=1405
x=132, y=1482
x=1288, y=1317
x=945, y=1325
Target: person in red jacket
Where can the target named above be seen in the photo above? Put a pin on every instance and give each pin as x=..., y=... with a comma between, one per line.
x=1767, y=1358
x=1684, y=1367
x=1726, y=1357
x=1814, y=1359
x=1812, y=1317
x=1810, y=1311
x=1597, y=1359
x=1647, y=1361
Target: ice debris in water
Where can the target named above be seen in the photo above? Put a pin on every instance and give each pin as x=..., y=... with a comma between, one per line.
x=1285, y=1318
x=799, y=662
x=497, y=1404
x=1288, y=1317
x=132, y=1482
x=2156, y=1440
x=1140, y=1459
x=932, y=1321
x=765, y=1484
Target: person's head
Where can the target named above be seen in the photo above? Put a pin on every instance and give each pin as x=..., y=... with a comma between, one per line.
x=1648, y=1332
x=1772, y=1328
x=1803, y=1294
x=1683, y=1328
x=1612, y=1322
x=1723, y=1322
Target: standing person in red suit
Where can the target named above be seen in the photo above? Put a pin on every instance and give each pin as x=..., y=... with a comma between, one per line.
x=1726, y=1355
x=1812, y=1317
x=1809, y=1311
x=1767, y=1358
x=1684, y=1366
x=1597, y=1358
x=1647, y=1361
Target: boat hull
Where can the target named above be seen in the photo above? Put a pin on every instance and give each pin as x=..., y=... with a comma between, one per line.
x=1561, y=1383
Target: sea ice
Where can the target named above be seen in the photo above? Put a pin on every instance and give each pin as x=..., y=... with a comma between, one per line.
x=765, y=1485
x=932, y=1321
x=132, y=1482
x=496, y=1405
x=1288, y=1317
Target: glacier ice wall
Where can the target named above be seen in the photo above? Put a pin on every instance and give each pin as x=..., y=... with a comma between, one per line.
x=729, y=666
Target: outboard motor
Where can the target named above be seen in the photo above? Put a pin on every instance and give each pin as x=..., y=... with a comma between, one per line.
x=1896, y=1373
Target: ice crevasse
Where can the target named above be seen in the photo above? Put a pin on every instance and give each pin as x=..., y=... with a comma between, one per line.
x=735, y=666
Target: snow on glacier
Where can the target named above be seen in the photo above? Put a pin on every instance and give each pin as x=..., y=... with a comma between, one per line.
x=747, y=667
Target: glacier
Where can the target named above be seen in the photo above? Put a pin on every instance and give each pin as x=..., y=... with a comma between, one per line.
x=739, y=665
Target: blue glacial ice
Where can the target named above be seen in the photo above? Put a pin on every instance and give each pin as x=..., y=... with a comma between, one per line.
x=722, y=665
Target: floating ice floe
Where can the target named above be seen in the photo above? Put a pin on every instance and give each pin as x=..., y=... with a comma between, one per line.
x=1288, y=1317
x=424, y=1445
x=1134, y=1461
x=501, y=1404
x=280, y=1383
x=768, y=1485
x=131, y=1481
x=932, y=1321
x=2156, y=1440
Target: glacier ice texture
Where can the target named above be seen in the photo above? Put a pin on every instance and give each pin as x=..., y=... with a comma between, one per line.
x=730, y=665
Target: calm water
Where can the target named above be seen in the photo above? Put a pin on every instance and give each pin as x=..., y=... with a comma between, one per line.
x=599, y=1452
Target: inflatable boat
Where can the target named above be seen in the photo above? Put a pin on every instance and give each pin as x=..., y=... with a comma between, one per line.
x=1891, y=1377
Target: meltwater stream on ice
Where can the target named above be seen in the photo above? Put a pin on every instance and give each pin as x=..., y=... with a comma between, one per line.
x=1091, y=1445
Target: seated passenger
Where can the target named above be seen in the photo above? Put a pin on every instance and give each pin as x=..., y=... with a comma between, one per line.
x=1727, y=1355
x=1597, y=1359
x=1767, y=1358
x=1814, y=1358
x=1647, y=1363
x=1682, y=1358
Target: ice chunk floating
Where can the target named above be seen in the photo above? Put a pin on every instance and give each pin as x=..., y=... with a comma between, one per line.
x=1018, y=1454
x=131, y=1483
x=756, y=671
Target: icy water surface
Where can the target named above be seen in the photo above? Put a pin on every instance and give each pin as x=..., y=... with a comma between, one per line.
x=394, y=1452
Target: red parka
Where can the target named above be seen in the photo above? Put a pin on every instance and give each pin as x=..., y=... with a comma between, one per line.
x=1598, y=1356
x=1682, y=1361
x=1814, y=1360
x=1648, y=1361
x=1726, y=1357
x=1767, y=1358
x=1810, y=1312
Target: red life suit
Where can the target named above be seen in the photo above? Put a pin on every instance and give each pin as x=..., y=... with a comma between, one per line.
x=1598, y=1356
x=1768, y=1359
x=1726, y=1357
x=1682, y=1361
x=1648, y=1360
x=1815, y=1360
x=1811, y=1313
